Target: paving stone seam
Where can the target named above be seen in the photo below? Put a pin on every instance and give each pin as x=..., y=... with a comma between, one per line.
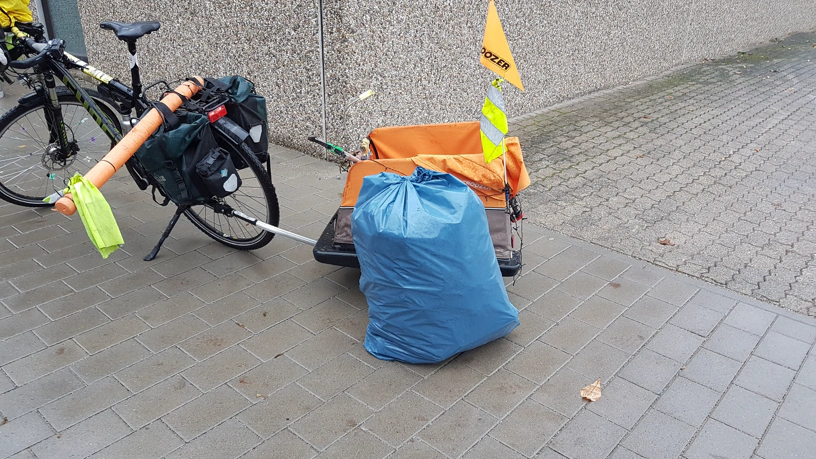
x=677, y=375
x=732, y=382
x=185, y=443
x=613, y=376
x=462, y=399
x=34, y=351
x=435, y=403
x=364, y=429
x=360, y=424
x=200, y=434
x=68, y=367
x=779, y=405
x=600, y=94
x=135, y=311
x=334, y=327
x=152, y=354
x=801, y=274
x=261, y=436
x=283, y=352
x=37, y=408
x=468, y=448
x=291, y=421
x=53, y=432
x=430, y=446
x=161, y=419
x=527, y=268
x=787, y=392
x=679, y=267
x=699, y=283
x=776, y=318
x=798, y=239
x=761, y=127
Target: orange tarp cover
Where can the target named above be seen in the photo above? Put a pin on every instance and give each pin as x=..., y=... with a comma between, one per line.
x=454, y=148
x=430, y=139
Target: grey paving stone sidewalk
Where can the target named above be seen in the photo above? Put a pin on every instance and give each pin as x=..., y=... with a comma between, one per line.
x=208, y=352
x=716, y=158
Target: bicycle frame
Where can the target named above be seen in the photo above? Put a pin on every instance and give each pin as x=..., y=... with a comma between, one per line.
x=123, y=98
x=120, y=98
x=59, y=147
x=46, y=72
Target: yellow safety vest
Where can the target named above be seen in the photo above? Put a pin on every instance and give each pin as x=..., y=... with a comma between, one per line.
x=493, y=123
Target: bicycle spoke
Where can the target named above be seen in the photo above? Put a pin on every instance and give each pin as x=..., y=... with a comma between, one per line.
x=33, y=166
x=253, y=198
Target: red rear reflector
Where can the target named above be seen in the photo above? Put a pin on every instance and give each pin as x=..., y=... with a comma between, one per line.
x=217, y=114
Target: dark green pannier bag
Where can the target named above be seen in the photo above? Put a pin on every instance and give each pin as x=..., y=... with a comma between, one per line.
x=171, y=158
x=245, y=107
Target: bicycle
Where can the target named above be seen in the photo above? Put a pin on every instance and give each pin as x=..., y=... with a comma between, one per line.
x=48, y=136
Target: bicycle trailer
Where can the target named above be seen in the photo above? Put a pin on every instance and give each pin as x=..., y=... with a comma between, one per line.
x=454, y=148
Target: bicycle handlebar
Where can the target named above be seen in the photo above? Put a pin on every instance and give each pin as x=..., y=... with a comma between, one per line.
x=123, y=150
x=52, y=50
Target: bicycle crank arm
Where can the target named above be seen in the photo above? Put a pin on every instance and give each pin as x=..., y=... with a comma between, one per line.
x=273, y=229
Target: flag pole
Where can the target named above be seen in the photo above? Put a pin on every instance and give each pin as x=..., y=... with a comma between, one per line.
x=496, y=57
x=504, y=155
x=504, y=160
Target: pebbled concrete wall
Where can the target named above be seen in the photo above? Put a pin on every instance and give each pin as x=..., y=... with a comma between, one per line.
x=422, y=57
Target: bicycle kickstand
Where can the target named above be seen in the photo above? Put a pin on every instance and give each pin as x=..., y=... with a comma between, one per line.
x=179, y=210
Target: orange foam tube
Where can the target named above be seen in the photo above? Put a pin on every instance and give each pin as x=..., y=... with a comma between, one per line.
x=102, y=171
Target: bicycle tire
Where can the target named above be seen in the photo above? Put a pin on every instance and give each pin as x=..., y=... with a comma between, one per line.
x=28, y=172
x=256, y=197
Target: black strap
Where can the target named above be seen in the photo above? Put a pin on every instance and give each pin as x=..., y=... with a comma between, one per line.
x=171, y=166
x=185, y=194
x=374, y=151
x=169, y=118
x=184, y=99
x=216, y=84
x=103, y=160
x=195, y=81
x=166, y=198
x=211, y=86
x=172, y=122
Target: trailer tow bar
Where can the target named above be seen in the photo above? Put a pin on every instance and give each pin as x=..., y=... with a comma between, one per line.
x=273, y=229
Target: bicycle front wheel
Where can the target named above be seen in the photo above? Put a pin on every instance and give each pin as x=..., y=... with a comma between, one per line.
x=256, y=197
x=32, y=164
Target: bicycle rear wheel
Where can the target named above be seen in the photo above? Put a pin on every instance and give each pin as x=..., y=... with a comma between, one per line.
x=32, y=166
x=256, y=197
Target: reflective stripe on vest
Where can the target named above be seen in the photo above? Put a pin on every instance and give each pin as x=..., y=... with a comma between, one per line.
x=493, y=124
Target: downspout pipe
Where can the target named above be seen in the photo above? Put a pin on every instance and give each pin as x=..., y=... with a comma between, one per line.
x=322, y=62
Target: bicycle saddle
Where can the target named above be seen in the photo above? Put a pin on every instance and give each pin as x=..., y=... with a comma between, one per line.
x=131, y=31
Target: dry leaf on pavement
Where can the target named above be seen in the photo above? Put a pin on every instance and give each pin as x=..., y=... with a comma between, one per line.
x=592, y=392
x=664, y=241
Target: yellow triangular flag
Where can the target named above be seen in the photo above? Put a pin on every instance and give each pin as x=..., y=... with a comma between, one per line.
x=495, y=50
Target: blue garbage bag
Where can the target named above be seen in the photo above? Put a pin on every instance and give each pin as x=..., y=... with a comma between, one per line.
x=428, y=268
